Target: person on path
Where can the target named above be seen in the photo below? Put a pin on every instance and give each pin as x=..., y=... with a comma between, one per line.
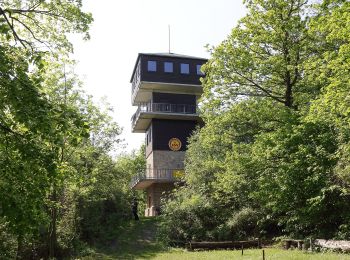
x=134, y=209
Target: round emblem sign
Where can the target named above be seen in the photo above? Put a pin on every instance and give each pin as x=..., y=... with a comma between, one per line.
x=175, y=144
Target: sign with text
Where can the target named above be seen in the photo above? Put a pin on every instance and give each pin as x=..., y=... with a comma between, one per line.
x=178, y=174
x=175, y=144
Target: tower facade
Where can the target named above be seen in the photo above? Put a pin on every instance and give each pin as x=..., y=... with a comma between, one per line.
x=165, y=88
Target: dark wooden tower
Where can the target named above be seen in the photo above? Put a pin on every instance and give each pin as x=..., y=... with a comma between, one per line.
x=165, y=87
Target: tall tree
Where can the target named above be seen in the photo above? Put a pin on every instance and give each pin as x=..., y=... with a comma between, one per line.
x=276, y=140
x=262, y=56
x=32, y=34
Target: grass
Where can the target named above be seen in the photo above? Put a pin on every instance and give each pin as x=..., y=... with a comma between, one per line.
x=136, y=240
x=254, y=254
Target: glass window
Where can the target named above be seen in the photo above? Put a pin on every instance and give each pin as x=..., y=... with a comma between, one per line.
x=150, y=134
x=168, y=67
x=185, y=68
x=199, y=71
x=152, y=65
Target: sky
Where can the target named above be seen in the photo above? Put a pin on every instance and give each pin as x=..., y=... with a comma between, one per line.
x=124, y=28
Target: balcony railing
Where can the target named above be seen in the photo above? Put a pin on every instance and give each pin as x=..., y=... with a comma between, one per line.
x=158, y=175
x=163, y=108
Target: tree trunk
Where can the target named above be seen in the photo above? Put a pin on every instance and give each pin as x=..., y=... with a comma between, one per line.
x=289, y=97
x=52, y=240
x=19, y=247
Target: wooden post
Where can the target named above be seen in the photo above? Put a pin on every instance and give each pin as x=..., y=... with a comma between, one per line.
x=263, y=254
x=311, y=246
x=242, y=248
x=299, y=244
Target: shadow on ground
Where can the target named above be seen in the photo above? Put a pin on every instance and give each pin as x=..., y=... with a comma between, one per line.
x=134, y=240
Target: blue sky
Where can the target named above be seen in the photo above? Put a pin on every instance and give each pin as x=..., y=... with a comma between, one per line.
x=122, y=29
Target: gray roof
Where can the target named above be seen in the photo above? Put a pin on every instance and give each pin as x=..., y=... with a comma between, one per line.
x=173, y=55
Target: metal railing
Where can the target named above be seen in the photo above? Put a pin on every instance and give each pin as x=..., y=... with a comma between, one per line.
x=163, y=108
x=170, y=175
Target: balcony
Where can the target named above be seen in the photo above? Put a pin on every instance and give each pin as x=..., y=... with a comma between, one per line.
x=142, y=90
x=146, y=111
x=151, y=176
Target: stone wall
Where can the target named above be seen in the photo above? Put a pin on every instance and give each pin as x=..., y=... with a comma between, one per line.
x=168, y=159
x=154, y=195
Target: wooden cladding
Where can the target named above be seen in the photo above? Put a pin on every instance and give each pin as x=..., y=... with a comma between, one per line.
x=164, y=130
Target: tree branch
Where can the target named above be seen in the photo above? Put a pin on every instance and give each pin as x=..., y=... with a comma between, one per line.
x=259, y=87
x=9, y=130
x=15, y=35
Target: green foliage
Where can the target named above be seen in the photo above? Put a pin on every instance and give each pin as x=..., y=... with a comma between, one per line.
x=302, y=187
x=189, y=217
x=27, y=163
x=262, y=57
x=56, y=166
x=42, y=25
x=8, y=243
x=272, y=158
x=105, y=198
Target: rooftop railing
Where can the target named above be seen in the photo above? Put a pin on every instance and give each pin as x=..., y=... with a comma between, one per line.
x=161, y=175
x=163, y=108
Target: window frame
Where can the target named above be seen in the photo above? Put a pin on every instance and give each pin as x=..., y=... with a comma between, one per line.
x=149, y=68
x=188, y=68
x=198, y=69
x=169, y=63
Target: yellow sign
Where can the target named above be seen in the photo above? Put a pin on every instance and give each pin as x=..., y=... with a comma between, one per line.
x=175, y=144
x=178, y=174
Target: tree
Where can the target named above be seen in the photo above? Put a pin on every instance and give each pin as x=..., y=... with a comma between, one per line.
x=262, y=57
x=32, y=34
x=42, y=25
x=27, y=162
x=331, y=69
x=276, y=140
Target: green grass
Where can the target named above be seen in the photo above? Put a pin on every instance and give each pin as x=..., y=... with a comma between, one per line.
x=136, y=240
x=254, y=254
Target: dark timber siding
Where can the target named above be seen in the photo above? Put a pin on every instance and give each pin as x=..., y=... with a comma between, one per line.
x=148, y=140
x=174, y=77
x=174, y=98
x=164, y=130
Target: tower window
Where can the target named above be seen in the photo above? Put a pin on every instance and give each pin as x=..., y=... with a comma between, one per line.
x=152, y=65
x=168, y=67
x=199, y=71
x=185, y=68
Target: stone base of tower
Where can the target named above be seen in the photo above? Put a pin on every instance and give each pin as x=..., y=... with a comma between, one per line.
x=155, y=193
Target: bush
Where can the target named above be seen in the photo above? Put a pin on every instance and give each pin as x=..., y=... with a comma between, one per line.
x=187, y=217
x=8, y=242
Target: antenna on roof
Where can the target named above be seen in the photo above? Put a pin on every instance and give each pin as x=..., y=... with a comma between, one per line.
x=169, y=36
